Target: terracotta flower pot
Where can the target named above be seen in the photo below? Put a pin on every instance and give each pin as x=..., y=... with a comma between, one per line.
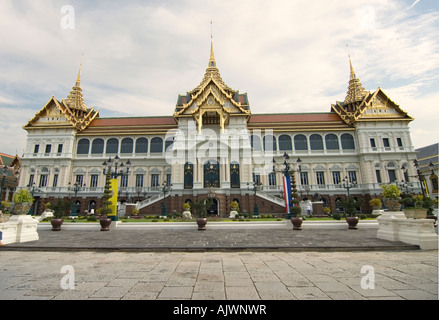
x=105, y=223
x=297, y=223
x=56, y=224
x=201, y=222
x=352, y=222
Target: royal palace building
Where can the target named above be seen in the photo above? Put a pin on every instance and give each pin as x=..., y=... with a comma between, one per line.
x=214, y=146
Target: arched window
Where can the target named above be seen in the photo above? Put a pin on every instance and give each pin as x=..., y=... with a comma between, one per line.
x=126, y=145
x=285, y=143
x=112, y=146
x=156, y=145
x=142, y=145
x=270, y=143
x=347, y=141
x=316, y=142
x=83, y=146
x=331, y=142
x=300, y=142
x=255, y=142
x=234, y=175
x=97, y=146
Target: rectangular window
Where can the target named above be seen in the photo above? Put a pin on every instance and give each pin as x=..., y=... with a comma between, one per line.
x=257, y=178
x=43, y=181
x=55, y=180
x=272, y=179
x=48, y=148
x=36, y=148
x=60, y=146
x=79, y=180
x=372, y=143
x=124, y=181
x=31, y=180
x=392, y=175
x=139, y=180
x=155, y=180
x=386, y=143
x=320, y=176
x=399, y=141
x=352, y=175
x=336, y=177
x=304, y=178
x=94, y=180
x=378, y=175
x=168, y=179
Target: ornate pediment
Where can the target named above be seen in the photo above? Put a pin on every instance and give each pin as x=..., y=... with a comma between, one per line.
x=71, y=112
x=212, y=101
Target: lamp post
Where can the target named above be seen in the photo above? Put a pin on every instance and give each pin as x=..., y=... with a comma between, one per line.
x=76, y=188
x=420, y=177
x=254, y=189
x=118, y=171
x=347, y=184
x=4, y=173
x=32, y=188
x=165, y=188
x=289, y=179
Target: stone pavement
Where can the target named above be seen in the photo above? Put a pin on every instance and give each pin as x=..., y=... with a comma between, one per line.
x=274, y=263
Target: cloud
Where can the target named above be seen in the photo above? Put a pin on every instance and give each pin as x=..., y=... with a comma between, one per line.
x=289, y=56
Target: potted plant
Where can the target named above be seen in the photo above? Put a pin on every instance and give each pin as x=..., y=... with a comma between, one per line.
x=201, y=209
x=413, y=207
x=327, y=210
x=234, y=208
x=295, y=210
x=58, y=214
x=22, y=202
x=105, y=209
x=296, y=218
x=391, y=195
x=187, y=210
x=375, y=203
x=350, y=206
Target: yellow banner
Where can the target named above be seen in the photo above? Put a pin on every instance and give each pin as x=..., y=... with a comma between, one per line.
x=113, y=199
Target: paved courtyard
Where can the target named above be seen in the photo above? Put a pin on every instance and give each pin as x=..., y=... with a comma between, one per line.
x=218, y=275
x=217, y=264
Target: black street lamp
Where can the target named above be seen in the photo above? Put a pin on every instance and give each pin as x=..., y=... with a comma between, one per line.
x=118, y=171
x=255, y=188
x=348, y=184
x=420, y=177
x=114, y=174
x=165, y=189
x=76, y=188
x=289, y=173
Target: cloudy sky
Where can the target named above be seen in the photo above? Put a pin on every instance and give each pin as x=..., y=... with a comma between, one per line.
x=289, y=56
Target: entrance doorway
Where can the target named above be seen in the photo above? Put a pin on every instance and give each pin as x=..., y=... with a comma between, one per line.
x=214, y=208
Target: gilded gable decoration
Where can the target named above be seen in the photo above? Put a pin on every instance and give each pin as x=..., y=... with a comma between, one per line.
x=361, y=105
x=71, y=112
x=212, y=101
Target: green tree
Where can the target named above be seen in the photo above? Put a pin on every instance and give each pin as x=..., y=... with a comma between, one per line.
x=106, y=203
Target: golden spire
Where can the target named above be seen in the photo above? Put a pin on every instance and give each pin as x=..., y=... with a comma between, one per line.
x=212, y=62
x=356, y=92
x=75, y=99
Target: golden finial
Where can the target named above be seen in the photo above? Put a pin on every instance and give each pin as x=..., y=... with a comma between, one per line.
x=212, y=62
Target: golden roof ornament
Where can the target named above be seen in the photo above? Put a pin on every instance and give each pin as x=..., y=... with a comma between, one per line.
x=75, y=99
x=356, y=92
